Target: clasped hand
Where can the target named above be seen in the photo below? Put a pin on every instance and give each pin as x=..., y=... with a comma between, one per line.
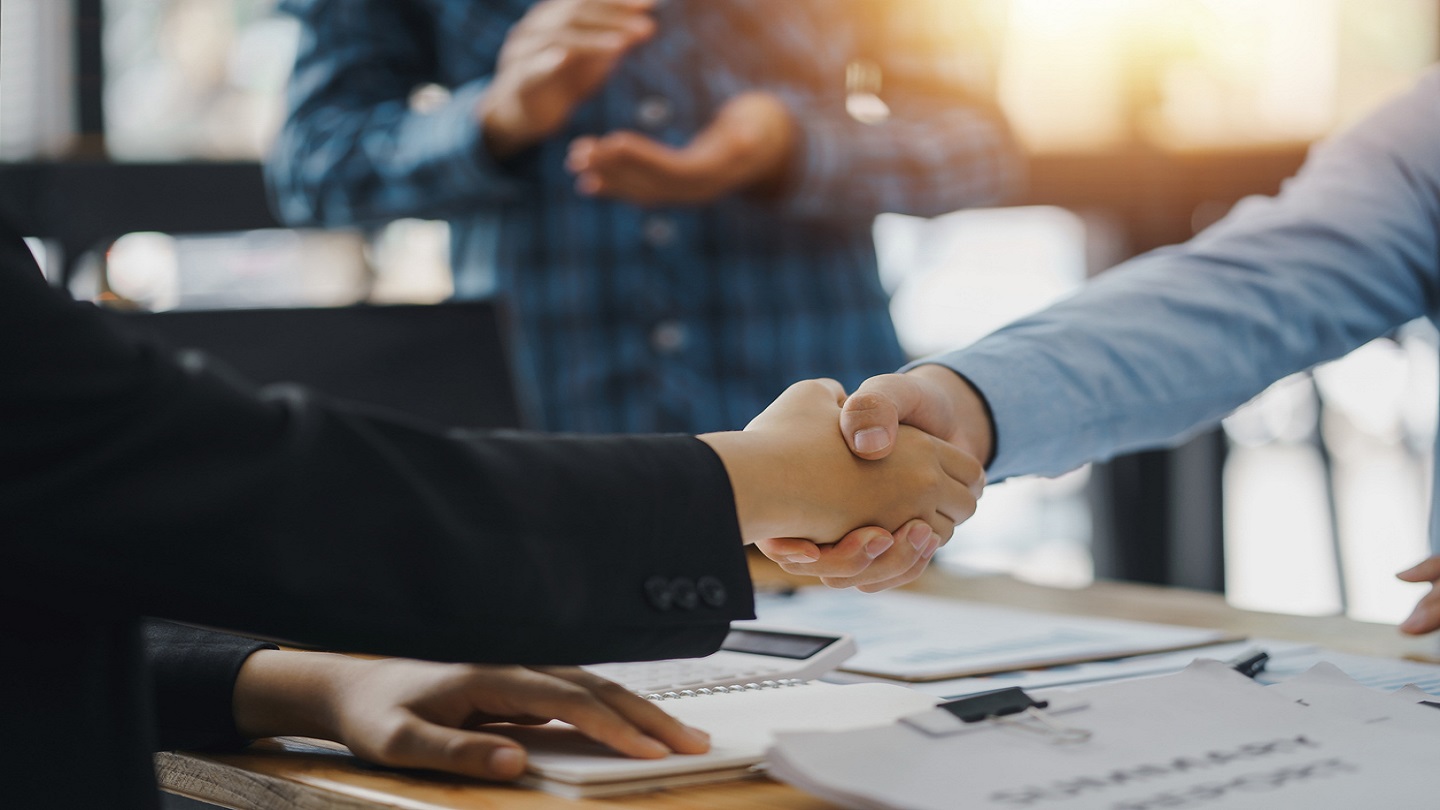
x=874, y=423
x=795, y=477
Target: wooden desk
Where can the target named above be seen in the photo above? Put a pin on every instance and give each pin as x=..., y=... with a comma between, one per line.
x=270, y=777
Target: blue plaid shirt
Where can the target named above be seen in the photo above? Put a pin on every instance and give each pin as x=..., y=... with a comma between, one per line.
x=631, y=319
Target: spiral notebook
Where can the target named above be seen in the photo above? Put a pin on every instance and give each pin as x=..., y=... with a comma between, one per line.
x=741, y=721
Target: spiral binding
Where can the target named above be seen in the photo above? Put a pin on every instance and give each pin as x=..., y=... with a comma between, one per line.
x=782, y=683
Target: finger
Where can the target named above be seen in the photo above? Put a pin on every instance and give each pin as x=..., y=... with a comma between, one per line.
x=635, y=168
x=854, y=553
x=637, y=189
x=820, y=387
x=943, y=525
x=622, y=6
x=417, y=743
x=871, y=417
x=634, y=710
x=917, y=568
x=631, y=151
x=549, y=19
x=789, y=550
x=955, y=498
x=960, y=466
x=1426, y=615
x=632, y=18
x=957, y=505
x=578, y=157
x=481, y=719
x=581, y=45
x=641, y=187
x=1425, y=571
x=558, y=698
x=909, y=542
x=575, y=53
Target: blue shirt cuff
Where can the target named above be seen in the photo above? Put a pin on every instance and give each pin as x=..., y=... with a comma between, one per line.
x=459, y=143
x=1033, y=432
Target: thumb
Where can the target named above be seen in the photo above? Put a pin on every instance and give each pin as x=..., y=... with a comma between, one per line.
x=871, y=417
x=422, y=744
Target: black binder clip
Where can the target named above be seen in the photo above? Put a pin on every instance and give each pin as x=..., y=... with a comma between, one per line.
x=1005, y=707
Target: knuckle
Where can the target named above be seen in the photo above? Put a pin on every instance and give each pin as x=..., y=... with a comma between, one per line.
x=394, y=738
x=869, y=403
x=610, y=688
x=572, y=695
x=814, y=386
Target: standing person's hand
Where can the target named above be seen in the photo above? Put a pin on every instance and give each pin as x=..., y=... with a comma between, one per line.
x=1425, y=617
x=746, y=148
x=555, y=57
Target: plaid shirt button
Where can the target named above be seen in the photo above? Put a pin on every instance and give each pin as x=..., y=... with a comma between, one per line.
x=668, y=337
x=659, y=232
x=654, y=112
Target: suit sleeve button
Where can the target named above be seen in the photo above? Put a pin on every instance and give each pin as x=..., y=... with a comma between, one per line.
x=682, y=589
x=657, y=589
x=712, y=591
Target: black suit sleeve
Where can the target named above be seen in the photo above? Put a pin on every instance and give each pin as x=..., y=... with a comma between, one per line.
x=131, y=483
x=192, y=674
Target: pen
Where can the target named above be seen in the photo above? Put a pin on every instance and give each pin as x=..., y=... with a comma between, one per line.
x=1250, y=663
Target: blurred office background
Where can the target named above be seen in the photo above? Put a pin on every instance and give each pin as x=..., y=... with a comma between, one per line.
x=1145, y=119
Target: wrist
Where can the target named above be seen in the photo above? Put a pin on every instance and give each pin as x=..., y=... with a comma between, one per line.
x=744, y=463
x=778, y=144
x=755, y=138
x=503, y=127
x=282, y=692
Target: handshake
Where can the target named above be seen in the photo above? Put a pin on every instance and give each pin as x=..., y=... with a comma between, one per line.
x=859, y=491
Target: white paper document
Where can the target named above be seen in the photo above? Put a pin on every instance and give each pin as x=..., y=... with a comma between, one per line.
x=742, y=725
x=1203, y=738
x=1094, y=672
x=920, y=638
x=1379, y=673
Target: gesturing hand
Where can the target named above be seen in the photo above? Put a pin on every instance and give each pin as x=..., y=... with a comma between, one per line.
x=746, y=147
x=417, y=714
x=1426, y=615
x=556, y=56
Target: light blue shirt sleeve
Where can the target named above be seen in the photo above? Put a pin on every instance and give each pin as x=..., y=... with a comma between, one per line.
x=1172, y=341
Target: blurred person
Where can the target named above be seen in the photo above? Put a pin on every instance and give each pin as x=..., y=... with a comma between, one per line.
x=134, y=483
x=672, y=196
x=1168, y=343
